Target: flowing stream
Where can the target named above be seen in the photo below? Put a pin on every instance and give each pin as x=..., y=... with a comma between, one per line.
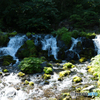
x=12, y=87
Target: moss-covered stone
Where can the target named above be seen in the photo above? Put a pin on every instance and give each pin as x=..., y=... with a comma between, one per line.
x=0, y=73
x=52, y=99
x=7, y=60
x=77, y=79
x=68, y=65
x=46, y=76
x=28, y=34
x=78, y=89
x=5, y=70
x=26, y=82
x=26, y=50
x=91, y=70
x=49, y=65
x=31, y=83
x=4, y=39
x=12, y=33
x=21, y=74
x=48, y=70
x=64, y=73
x=82, y=59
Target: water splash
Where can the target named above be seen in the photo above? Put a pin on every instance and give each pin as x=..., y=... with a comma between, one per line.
x=13, y=45
x=48, y=43
x=97, y=43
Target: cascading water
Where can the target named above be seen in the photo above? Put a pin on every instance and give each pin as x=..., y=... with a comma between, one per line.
x=74, y=43
x=14, y=44
x=48, y=43
x=97, y=43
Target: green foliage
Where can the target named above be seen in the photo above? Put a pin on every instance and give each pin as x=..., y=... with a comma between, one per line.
x=75, y=33
x=28, y=34
x=31, y=65
x=48, y=70
x=64, y=35
x=82, y=59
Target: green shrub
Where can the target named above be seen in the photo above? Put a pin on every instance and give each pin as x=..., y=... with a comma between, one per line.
x=31, y=65
x=48, y=70
x=75, y=33
x=28, y=34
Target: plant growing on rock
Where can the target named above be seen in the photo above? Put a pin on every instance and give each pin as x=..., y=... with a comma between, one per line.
x=46, y=76
x=82, y=59
x=77, y=79
x=64, y=73
x=68, y=65
x=48, y=70
x=31, y=65
x=21, y=74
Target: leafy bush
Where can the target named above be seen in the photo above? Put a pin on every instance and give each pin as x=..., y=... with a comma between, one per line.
x=31, y=65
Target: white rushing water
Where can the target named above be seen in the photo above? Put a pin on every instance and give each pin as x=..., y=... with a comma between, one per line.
x=97, y=43
x=13, y=45
x=48, y=43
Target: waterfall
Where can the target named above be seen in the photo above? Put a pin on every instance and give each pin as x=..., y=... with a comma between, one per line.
x=13, y=45
x=97, y=43
x=74, y=44
x=48, y=43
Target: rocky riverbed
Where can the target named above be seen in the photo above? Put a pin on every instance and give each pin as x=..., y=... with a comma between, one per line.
x=34, y=87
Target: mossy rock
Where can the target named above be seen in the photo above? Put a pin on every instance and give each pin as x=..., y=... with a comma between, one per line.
x=46, y=76
x=26, y=50
x=28, y=34
x=5, y=70
x=83, y=59
x=31, y=83
x=52, y=99
x=49, y=65
x=4, y=39
x=78, y=89
x=21, y=74
x=0, y=73
x=65, y=94
x=68, y=65
x=91, y=70
x=7, y=60
x=89, y=67
x=26, y=82
x=77, y=79
x=58, y=61
x=64, y=73
x=12, y=33
x=48, y=70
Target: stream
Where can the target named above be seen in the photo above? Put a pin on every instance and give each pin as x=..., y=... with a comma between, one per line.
x=13, y=87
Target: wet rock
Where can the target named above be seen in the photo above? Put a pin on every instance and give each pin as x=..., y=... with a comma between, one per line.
x=11, y=94
x=0, y=73
x=77, y=79
x=48, y=70
x=46, y=82
x=21, y=74
x=6, y=74
x=89, y=88
x=64, y=73
x=69, y=55
x=5, y=70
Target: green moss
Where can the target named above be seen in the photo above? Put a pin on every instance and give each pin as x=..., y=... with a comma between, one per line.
x=77, y=79
x=46, y=76
x=0, y=73
x=82, y=59
x=5, y=70
x=31, y=83
x=64, y=35
x=12, y=34
x=48, y=70
x=21, y=74
x=78, y=89
x=68, y=65
x=4, y=39
x=31, y=65
x=26, y=50
x=64, y=73
x=28, y=34
x=52, y=99
x=49, y=65
x=26, y=82
x=7, y=60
